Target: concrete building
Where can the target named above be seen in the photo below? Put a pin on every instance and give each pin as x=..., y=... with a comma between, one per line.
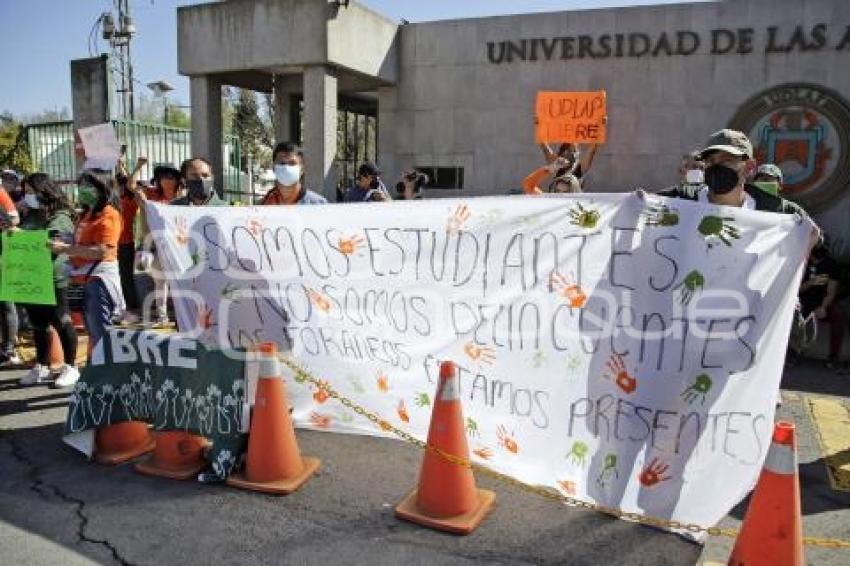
x=457, y=97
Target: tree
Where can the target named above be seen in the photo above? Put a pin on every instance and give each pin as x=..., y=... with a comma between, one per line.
x=249, y=128
x=14, y=150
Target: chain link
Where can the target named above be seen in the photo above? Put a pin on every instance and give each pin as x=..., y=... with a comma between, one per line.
x=302, y=375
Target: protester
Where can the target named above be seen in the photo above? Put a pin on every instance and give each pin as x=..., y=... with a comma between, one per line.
x=577, y=163
x=94, y=256
x=50, y=210
x=411, y=185
x=768, y=178
x=127, y=247
x=819, y=295
x=289, y=186
x=368, y=186
x=692, y=170
x=562, y=183
x=9, y=219
x=197, y=176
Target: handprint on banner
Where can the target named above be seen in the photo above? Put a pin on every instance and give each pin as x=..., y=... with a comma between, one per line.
x=181, y=230
x=458, y=219
x=609, y=470
x=320, y=301
x=255, y=226
x=320, y=420
x=483, y=452
x=206, y=317
x=483, y=354
x=578, y=453
x=693, y=283
x=348, y=246
x=506, y=440
x=321, y=394
x=346, y=417
x=422, y=400
x=654, y=473
x=538, y=359
x=354, y=381
x=719, y=227
x=472, y=427
x=698, y=390
x=223, y=463
x=383, y=382
x=661, y=215
x=617, y=368
x=584, y=217
x=567, y=288
x=402, y=411
x=567, y=486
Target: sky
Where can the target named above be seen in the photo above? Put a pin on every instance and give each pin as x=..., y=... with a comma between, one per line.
x=40, y=37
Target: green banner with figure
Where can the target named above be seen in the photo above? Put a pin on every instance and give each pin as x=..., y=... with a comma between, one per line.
x=172, y=382
x=26, y=270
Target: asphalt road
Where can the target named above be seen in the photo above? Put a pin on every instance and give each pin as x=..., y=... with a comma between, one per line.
x=56, y=507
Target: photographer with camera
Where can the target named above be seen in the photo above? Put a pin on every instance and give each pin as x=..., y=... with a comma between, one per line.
x=368, y=187
x=410, y=187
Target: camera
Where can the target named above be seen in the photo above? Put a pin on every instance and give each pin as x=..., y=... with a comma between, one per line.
x=418, y=179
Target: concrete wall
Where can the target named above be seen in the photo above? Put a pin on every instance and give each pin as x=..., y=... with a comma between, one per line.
x=363, y=41
x=453, y=106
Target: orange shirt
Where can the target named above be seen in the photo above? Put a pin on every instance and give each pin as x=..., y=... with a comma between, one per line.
x=105, y=229
x=7, y=205
x=273, y=197
x=129, y=208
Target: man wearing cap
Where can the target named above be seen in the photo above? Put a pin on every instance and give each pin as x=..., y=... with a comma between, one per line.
x=289, y=178
x=368, y=187
x=728, y=159
x=769, y=178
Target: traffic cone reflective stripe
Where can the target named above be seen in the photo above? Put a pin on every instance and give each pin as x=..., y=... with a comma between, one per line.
x=274, y=463
x=178, y=455
x=122, y=442
x=772, y=533
x=446, y=498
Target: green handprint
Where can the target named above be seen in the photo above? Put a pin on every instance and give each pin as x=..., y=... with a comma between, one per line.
x=583, y=217
x=716, y=226
x=609, y=470
x=690, y=286
x=578, y=453
x=698, y=390
x=661, y=215
x=471, y=427
x=422, y=400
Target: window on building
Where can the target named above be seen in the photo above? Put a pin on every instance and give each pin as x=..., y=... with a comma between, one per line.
x=443, y=177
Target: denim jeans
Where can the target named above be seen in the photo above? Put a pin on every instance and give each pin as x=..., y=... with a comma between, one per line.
x=8, y=327
x=100, y=310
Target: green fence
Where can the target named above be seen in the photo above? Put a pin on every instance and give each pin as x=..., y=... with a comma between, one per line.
x=51, y=147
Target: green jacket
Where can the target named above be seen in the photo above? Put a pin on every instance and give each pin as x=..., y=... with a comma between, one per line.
x=764, y=201
x=59, y=227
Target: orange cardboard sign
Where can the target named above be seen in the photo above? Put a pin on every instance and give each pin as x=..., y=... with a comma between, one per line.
x=577, y=117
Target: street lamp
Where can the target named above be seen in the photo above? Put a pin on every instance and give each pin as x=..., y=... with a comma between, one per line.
x=161, y=89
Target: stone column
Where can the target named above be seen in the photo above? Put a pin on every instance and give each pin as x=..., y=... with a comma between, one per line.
x=283, y=110
x=207, y=136
x=320, y=106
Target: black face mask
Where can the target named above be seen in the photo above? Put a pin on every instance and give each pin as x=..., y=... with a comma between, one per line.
x=721, y=179
x=200, y=189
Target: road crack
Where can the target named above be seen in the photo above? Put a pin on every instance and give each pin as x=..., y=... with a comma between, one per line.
x=45, y=490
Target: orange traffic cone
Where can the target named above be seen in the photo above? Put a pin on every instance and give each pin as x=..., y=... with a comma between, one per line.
x=54, y=345
x=122, y=442
x=274, y=463
x=447, y=498
x=772, y=534
x=178, y=455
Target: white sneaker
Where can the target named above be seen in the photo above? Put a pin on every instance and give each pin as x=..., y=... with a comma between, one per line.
x=68, y=376
x=11, y=360
x=38, y=374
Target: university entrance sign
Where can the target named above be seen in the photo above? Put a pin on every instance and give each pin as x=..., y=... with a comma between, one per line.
x=805, y=130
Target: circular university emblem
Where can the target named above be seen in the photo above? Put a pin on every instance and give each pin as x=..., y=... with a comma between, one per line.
x=805, y=130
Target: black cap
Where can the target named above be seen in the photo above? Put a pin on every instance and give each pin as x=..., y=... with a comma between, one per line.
x=368, y=169
x=165, y=169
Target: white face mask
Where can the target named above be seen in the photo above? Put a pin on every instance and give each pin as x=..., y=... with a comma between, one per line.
x=695, y=176
x=31, y=201
x=287, y=175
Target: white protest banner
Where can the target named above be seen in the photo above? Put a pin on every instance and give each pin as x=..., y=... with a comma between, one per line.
x=100, y=146
x=624, y=350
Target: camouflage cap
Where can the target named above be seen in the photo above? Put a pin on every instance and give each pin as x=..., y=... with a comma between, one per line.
x=770, y=170
x=730, y=141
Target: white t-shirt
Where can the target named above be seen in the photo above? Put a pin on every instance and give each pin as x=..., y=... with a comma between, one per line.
x=749, y=202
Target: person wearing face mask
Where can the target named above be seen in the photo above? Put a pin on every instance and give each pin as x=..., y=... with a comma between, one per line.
x=692, y=170
x=368, y=187
x=728, y=159
x=289, y=178
x=197, y=176
x=564, y=180
x=768, y=178
x=50, y=210
x=577, y=162
x=94, y=258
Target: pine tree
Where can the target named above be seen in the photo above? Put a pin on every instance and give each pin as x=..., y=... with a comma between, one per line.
x=248, y=126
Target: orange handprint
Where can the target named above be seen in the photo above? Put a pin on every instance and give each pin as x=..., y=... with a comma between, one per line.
x=349, y=245
x=319, y=300
x=484, y=354
x=205, y=317
x=383, y=383
x=566, y=288
x=458, y=219
x=506, y=441
x=321, y=394
x=567, y=486
x=254, y=226
x=402, y=411
x=623, y=379
x=654, y=473
x=483, y=452
x=320, y=420
x=181, y=232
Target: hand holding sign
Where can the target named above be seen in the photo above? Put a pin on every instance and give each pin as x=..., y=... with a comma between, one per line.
x=574, y=117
